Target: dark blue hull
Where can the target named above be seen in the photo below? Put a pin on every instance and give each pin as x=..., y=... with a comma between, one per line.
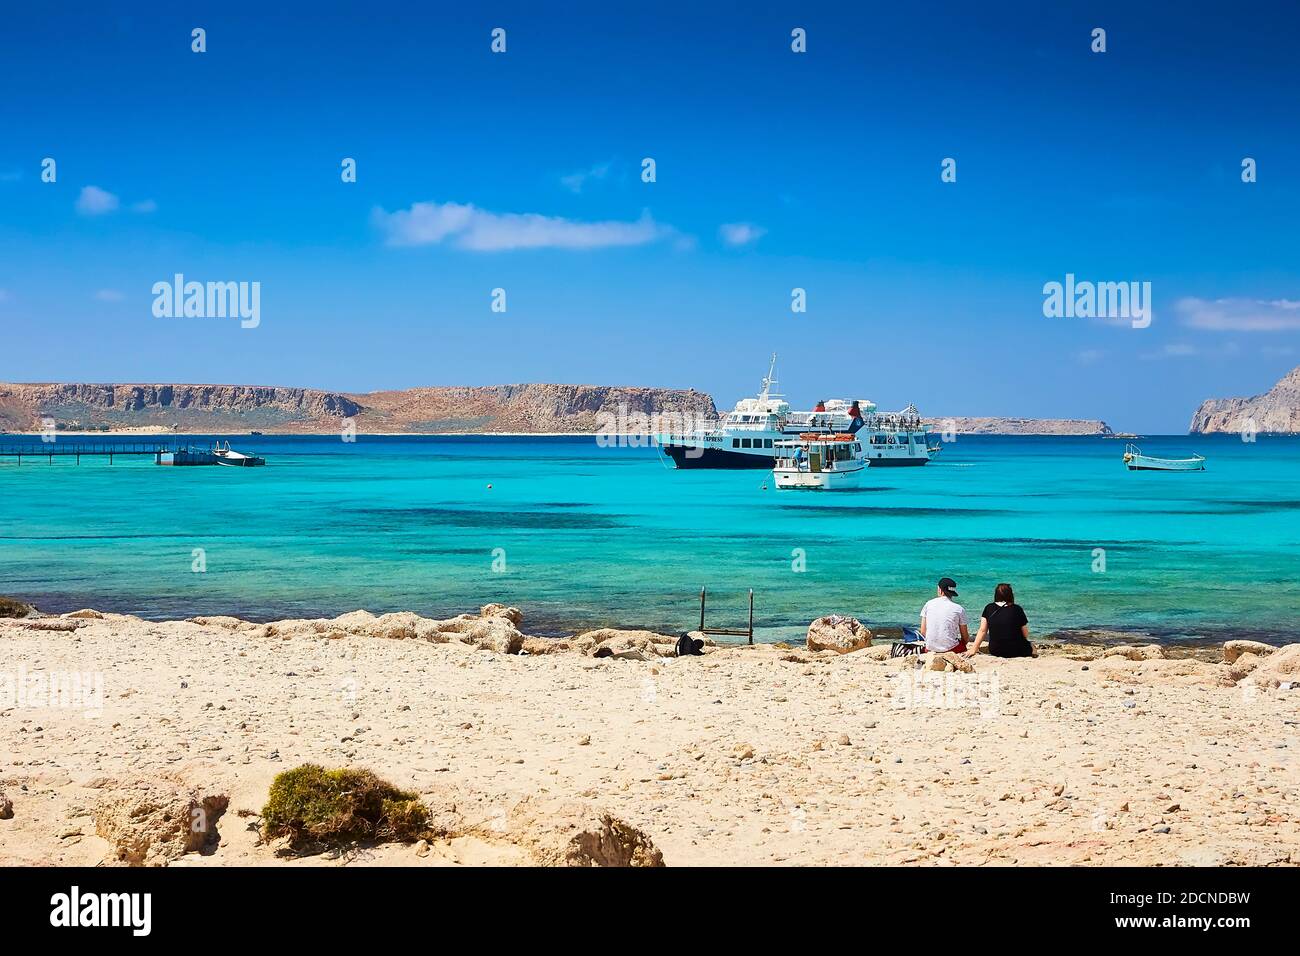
x=693, y=457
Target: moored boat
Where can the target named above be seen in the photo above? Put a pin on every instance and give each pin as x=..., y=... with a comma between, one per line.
x=228, y=456
x=819, y=462
x=746, y=436
x=1136, y=461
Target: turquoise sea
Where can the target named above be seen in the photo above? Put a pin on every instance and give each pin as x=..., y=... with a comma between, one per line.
x=579, y=535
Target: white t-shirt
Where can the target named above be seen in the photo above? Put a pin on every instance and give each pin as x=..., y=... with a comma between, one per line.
x=943, y=619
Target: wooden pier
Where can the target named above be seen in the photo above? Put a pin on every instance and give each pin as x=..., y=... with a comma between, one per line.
x=58, y=449
x=161, y=452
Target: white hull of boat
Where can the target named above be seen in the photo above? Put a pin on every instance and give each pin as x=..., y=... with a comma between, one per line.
x=787, y=479
x=1145, y=463
x=1134, y=460
x=237, y=459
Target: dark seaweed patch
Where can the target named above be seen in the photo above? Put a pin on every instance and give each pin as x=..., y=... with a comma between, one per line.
x=862, y=511
x=482, y=518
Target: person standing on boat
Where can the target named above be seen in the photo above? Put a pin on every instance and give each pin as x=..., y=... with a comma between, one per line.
x=943, y=620
x=1005, y=625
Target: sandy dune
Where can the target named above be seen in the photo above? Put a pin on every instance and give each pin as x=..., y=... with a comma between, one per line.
x=742, y=756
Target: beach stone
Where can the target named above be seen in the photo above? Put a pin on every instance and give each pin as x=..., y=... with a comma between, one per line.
x=86, y=613
x=50, y=624
x=574, y=834
x=545, y=645
x=152, y=824
x=1282, y=666
x=220, y=620
x=619, y=642
x=1234, y=649
x=488, y=633
x=834, y=632
x=511, y=614
x=6, y=807
x=950, y=661
x=1243, y=665
x=1136, y=652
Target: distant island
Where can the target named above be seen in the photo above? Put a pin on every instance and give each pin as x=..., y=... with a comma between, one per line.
x=1277, y=410
x=241, y=408
x=967, y=425
x=531, y=408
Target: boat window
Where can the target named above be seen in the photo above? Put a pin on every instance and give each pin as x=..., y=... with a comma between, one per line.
x=744, y=443
x=735, y=443
x=767, y=443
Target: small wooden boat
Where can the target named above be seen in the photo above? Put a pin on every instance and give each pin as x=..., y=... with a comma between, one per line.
x=1136, y=461
x=227, y=456
x=819, y=462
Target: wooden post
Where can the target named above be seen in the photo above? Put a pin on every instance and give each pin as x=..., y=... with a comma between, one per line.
x=751, y=616
x=701, y=609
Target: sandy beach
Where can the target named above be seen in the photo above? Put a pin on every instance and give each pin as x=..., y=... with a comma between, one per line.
x=745, y=755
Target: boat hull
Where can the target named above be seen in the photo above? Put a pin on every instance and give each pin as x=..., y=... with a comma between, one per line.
x=1147, y=465
x=688, y=457
x=816, y=480
x=884, y=462
x=695, y=456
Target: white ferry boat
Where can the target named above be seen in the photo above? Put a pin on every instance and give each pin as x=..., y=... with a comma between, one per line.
x=746, y=436
x=818, y=462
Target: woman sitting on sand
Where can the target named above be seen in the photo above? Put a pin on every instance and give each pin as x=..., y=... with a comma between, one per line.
x=1005, y=625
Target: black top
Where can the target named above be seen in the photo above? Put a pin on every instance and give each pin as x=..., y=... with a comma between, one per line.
x=1006, y=639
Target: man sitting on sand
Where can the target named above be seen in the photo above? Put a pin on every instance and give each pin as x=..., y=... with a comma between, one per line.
x=943, y=620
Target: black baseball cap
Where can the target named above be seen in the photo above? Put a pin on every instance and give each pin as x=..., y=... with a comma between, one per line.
x=948, y=586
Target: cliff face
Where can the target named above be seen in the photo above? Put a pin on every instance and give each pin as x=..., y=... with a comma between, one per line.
x=525, y=408
x=1277, y=410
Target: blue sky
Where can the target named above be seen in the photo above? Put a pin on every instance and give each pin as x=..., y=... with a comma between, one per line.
x=775, y=170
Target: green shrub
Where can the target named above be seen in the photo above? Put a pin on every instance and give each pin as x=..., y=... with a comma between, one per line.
x=314, y=806
x=11, y=608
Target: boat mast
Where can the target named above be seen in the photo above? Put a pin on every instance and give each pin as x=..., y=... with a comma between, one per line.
x=768, y=380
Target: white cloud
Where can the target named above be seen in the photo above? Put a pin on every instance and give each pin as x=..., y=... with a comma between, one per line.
x=94, y=201
x=740, y=233
x=1240, y=315
x=468, y=227
x=109, y=295
x=1177, y=350
x=575, y=181
x=144, y=206
x=1090, y=356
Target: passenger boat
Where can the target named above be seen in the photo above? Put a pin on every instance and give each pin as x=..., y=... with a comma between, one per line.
x=819, y=462
x=1136, y=461
x=746, y=436
x=228, y=456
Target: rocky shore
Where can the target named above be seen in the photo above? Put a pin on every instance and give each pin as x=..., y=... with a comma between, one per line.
x=606, y=748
